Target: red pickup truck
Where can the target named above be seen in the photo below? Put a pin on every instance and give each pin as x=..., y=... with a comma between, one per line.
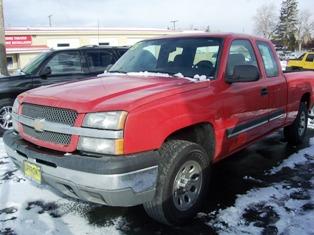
x=147, y=131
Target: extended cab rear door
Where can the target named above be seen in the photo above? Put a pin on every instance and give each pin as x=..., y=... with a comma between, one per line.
x=275, y=85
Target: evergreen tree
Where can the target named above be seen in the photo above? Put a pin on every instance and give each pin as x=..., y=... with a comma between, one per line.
x=287, y=26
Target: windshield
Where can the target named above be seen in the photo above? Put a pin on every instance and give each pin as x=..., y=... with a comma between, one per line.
x=187, y=56
x=34, y=63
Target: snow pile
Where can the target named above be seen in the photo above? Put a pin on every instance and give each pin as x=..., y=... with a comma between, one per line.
x=28, y=208
x=200, y=77
x=285, y=206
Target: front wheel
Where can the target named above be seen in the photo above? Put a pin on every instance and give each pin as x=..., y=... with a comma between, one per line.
x=5, y=115
x=296, y=132
x=182, y=182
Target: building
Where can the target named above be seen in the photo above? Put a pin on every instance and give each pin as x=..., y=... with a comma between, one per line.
x=22, y=44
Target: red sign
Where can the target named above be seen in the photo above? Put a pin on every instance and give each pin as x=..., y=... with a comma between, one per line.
x=18, y=41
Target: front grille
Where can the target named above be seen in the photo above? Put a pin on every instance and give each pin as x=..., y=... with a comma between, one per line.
x=52, y=114
x=48, y=136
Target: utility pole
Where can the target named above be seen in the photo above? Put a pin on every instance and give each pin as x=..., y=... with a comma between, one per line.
x=174, y=24
x=49, y=17
x=3, y=57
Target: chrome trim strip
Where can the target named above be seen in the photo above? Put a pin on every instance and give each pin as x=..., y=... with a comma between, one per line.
x=277, y=117
x=70, y=130
x=247, y=129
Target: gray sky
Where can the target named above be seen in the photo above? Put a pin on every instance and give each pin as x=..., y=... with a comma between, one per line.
x=220, y=15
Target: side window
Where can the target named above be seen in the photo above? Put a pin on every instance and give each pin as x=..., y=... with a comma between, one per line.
x=269, y=60
x=66, y=62
x=99, y=60
x=241, y=53
x=310, y=58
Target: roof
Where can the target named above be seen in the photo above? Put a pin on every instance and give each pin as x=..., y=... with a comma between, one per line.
x=208, y=35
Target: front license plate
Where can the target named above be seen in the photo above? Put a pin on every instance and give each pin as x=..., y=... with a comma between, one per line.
x=32, y=171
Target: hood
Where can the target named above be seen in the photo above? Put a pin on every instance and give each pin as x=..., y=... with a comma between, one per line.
x=12, y=77
x=10, y=84
x=109, y=92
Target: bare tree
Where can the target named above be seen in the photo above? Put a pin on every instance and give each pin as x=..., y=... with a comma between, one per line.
x=3, y=58
x=305, y=26
x=265, y=21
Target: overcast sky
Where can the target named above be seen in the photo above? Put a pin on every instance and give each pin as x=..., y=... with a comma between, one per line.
x=219, y=15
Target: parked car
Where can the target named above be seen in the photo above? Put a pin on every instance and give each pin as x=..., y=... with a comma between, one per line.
x=149, y=131
x=54, y=67
x=304, y=62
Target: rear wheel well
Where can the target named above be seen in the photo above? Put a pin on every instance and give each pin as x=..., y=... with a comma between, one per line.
x=306, y=98
x=202, y=134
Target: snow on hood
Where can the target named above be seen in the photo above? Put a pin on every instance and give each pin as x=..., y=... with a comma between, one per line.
x=196, y=78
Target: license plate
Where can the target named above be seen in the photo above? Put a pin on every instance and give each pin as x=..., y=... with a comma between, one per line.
x=32, y=171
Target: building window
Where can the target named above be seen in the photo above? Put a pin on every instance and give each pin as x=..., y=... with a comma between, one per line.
x=104, y=44
x=63, y=44
x=10, y=62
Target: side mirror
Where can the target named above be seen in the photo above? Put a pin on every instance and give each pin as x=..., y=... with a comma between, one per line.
x=45, y=72
x=244, y=73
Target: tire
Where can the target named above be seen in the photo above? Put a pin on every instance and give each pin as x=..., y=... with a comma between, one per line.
x=5, y=115
x=296, y=132
x=178, y=199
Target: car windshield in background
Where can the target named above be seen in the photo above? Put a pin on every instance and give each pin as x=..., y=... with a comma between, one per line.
x=34, y=63
x=187, y=56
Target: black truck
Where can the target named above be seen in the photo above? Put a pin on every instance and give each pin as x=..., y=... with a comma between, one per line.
x=54, y=66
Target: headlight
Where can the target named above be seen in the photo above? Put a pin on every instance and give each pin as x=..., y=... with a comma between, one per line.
x=101, y=146
x=108, y=120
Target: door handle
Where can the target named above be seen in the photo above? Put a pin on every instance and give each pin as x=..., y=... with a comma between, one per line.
x=264, y=91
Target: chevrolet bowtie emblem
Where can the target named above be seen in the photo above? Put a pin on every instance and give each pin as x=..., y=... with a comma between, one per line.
x=39, y=125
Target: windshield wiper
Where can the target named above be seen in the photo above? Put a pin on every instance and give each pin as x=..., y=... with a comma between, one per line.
x=115, y=71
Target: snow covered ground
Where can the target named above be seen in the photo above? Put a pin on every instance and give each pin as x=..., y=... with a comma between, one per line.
x=284, y=204
x=26, y=208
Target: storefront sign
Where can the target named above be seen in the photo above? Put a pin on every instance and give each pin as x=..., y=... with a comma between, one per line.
x=18, y=41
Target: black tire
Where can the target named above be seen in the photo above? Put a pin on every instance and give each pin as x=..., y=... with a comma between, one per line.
x=296, y=132
x=175, y=154
x=4, y=103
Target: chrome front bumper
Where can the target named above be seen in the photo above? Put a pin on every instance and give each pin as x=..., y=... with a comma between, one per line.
x=115, y=189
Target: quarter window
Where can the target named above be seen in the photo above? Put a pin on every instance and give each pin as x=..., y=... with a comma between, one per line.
x=269, y=61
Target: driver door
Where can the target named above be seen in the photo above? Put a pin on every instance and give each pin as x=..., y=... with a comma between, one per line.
x=245, y=103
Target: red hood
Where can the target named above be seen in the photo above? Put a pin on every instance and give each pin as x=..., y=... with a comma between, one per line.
x=108, y=93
